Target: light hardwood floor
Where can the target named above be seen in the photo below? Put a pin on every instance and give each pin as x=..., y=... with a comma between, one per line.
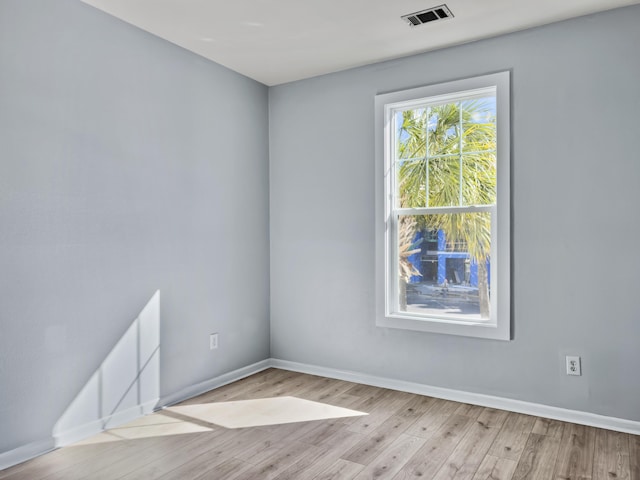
x=404, y=436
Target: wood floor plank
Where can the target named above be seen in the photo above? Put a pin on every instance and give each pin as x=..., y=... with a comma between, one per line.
x=230, y=469
x=118, y=465
x=268, y=389
x=323, y=431
x=611, y=456
x=225, y=448
x=331, y=449
x=512, y=437
x=362, y=390
x=492, y=417
x=368, y=403
x=432, y=455
x=61, y=458
x=239, y=440
x=238, y=388
x=471, y=411
x=243, y=389
x=379, y=439
x=433, y=419
x=392, y=459
x=538, y=458
x=494, y=468
x=289, y=385
x=291, y=431
x=417, y=406
x=176, y=458
x=278, y=462
x=345, y=400
x=196, y=467
x=309, y=458
x=295, y=389
x=634, y=457
x=332, y=392
x=547, y=426
x=340, y=470
x=385, y=407
x=575, y=457
x=259, y=452
x=392, y=399
x=469, y=453
x=326, y=390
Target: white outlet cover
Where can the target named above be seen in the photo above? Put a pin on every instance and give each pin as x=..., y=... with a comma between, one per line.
x=573, y=366
x=213, y=341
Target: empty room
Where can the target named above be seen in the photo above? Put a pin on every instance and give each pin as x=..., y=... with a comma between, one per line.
x=313, y=240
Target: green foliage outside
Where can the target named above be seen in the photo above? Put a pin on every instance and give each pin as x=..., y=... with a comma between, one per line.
x=457, y=141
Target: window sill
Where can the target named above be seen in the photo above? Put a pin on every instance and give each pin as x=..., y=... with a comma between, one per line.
x=486, y=329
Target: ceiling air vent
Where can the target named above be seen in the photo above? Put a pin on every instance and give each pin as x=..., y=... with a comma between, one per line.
x=429, y=15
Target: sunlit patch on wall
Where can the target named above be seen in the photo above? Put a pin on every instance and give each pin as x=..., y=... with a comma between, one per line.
x=125, y=385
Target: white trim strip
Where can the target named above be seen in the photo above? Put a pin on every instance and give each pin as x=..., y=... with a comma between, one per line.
x=25, y=452
x=441, y=210
x=94, y=427
x=224, y=379
x=519, y=406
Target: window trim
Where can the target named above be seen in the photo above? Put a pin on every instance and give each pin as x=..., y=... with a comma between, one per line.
x=500, y=327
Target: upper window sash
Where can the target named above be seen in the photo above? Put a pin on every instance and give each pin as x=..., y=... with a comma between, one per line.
x=436, y=100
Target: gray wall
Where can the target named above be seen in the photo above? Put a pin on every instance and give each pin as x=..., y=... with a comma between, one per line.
x=575, y=102
x=128, y=165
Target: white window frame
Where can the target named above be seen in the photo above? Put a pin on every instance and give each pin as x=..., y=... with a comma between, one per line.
x=498, y=326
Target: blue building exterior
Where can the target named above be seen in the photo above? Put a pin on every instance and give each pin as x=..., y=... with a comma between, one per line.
x=436, y=263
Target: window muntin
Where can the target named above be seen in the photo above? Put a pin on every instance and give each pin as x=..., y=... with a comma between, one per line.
x=446, y=176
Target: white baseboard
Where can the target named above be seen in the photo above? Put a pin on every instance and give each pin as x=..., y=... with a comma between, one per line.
x=547, y=411
x=80, y=432
x=94, y=427
x=119, y=418
x=25, y=452
x=200, y=388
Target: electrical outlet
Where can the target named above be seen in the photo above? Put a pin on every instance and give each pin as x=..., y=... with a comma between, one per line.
x=573, y=366
x=213, y=341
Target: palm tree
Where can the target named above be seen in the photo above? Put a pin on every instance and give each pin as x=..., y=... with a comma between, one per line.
x=457, y=142
x=407, y=247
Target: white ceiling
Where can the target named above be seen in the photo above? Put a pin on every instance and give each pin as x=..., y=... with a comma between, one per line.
x=278, y=41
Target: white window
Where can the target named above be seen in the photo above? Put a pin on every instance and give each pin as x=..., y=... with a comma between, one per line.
x=442, y=206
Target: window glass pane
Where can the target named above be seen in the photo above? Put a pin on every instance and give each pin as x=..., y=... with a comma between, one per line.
x=479, y=179
x=444, y=265
x=412, y=179
x=479, y=124
x=444, y=181
x=411, y=133
x=444, y=129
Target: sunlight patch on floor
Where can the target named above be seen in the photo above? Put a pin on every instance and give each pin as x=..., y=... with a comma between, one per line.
x=264, y=411
x=149, y=426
